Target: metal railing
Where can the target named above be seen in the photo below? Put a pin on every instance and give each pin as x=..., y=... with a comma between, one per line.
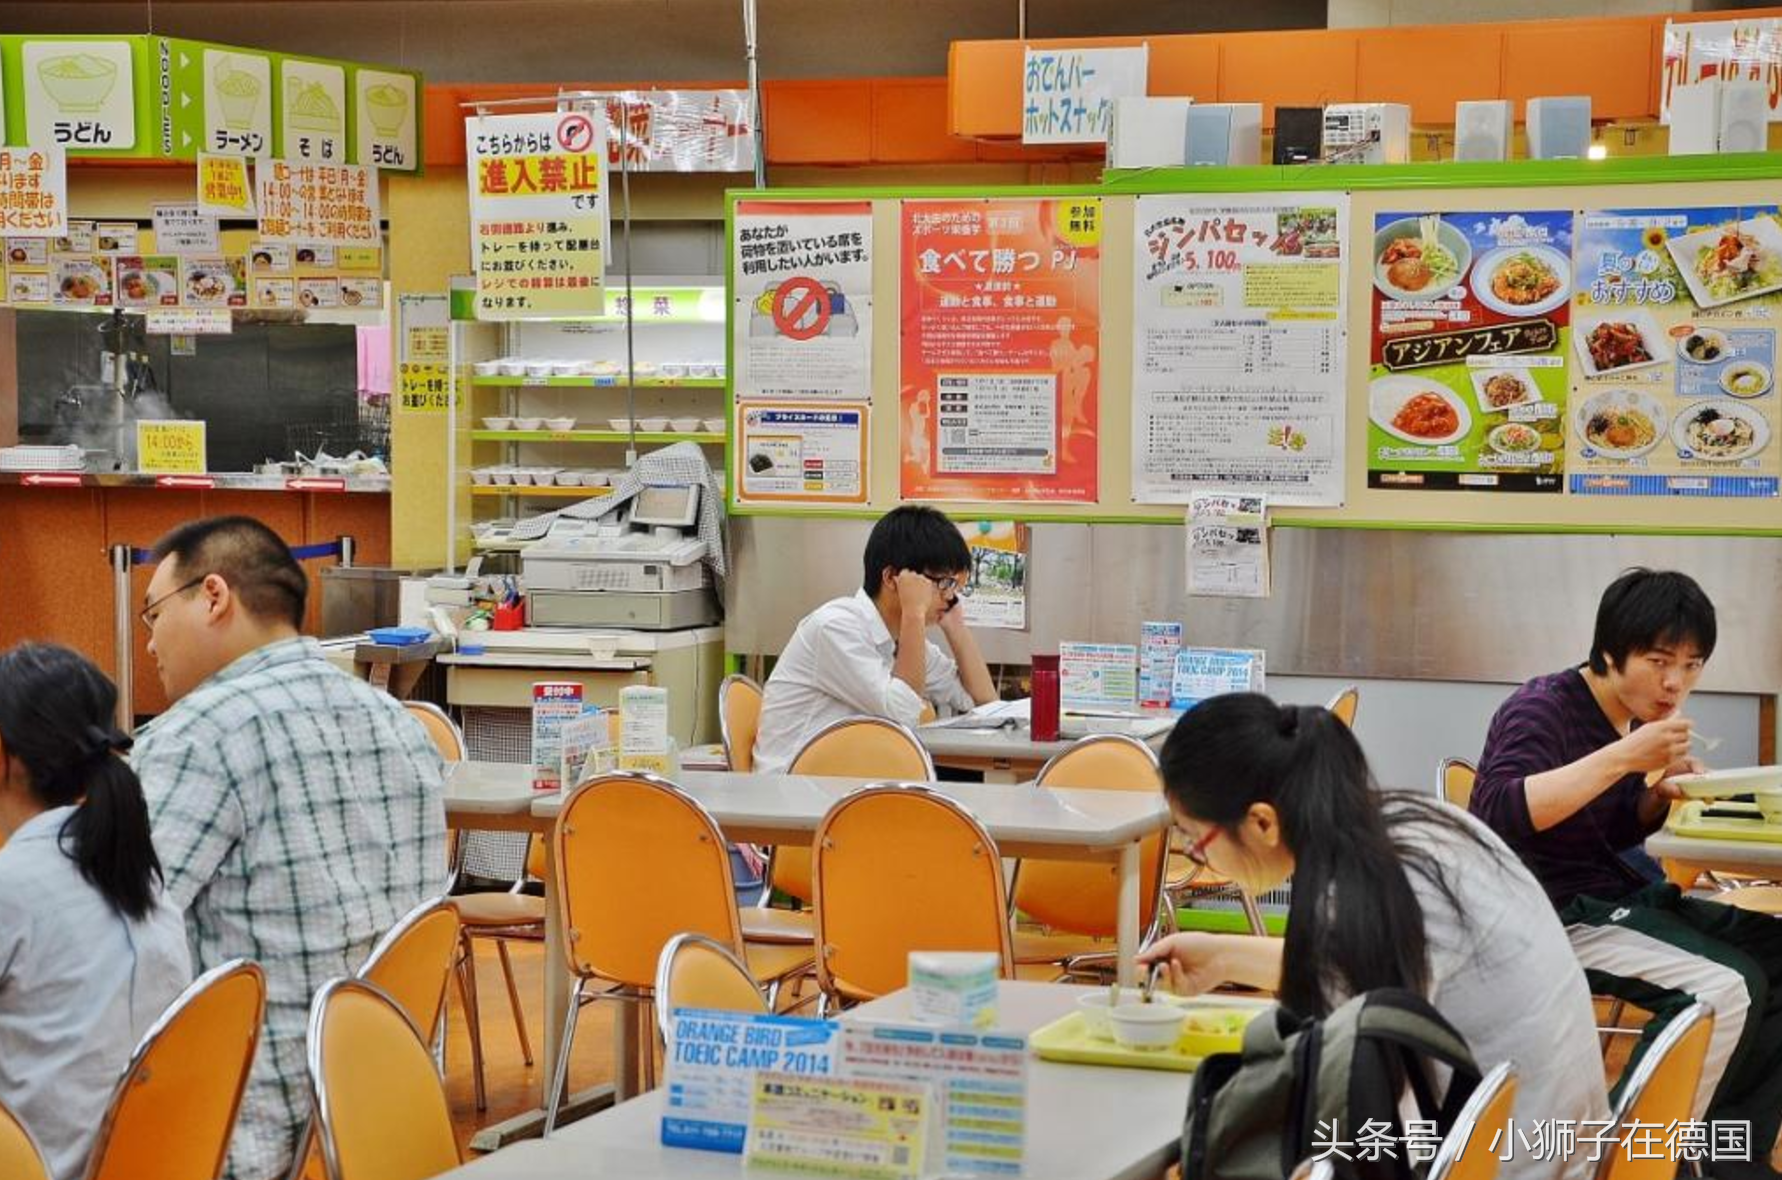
x=124, y=559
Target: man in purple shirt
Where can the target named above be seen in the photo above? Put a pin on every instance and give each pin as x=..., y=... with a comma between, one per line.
x=1575, y=776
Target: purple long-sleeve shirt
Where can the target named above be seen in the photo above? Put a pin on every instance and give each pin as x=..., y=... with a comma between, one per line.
x=1550, y=722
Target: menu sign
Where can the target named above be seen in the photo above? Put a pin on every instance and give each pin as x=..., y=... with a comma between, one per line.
x=33, y=192
x=318, y=203
x=1470, y=328
x=1676, y=319
x=1001, y=341
x=1237, y=355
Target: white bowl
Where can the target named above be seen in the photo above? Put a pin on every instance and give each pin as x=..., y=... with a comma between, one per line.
x=1094, y=1007
x=565, y=368
x=538, y=369
x=595, y=479
x=501, y=476
x=569, y=479
x=1149, y=1028
x=559, y=423
x=684, y=425
x=498, y=423
x=644, y=369
x=487, y=368
x=674, y=369
x=509, y=368
x=622, y=425
x=714, y=425
x=528, y=423
x=607, y=368
x=481, y=475
x=652, y=425
x=699, y=370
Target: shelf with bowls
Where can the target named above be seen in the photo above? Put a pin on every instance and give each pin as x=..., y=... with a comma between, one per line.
x=603, y=382
x=593, y=436
x=553, y=493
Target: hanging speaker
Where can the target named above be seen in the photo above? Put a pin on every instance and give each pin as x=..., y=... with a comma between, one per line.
x=1695, y=119
x=1482, y=129
x=1558, y=128
x=1299, y=134
x=1744, y=117
x=1224, y=133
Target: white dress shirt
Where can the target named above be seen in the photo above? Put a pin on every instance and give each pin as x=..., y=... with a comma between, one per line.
x=838, y=664
x=79, y=986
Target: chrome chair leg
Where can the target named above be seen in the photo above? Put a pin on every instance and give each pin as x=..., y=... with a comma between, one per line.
x=513, y=1000
x=560, y=1079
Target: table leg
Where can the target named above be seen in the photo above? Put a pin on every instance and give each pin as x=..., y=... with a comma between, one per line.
x=628, y=1018
x=999, y=772
x=556, y=977
x=1127, y=930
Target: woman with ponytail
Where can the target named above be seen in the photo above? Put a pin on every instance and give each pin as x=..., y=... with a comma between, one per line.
x=1389, y=890
x=89, y=957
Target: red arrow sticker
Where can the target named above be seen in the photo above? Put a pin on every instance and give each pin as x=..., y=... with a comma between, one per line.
x=185, y=481
x=52, y=480
x=801, y=308
x=315, y=485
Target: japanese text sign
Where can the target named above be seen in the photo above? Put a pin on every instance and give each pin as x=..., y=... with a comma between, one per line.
x=1067, y=95
x=318, y=203
x=33, y=192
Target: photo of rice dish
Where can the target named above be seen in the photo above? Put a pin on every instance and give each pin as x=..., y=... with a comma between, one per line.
x=1713, y=434
x=1422, y=263
x=1736, y=263
x=1620, y=428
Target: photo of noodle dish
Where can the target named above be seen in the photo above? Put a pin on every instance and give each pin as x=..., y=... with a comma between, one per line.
x=1499, y=389
x=1522, y=280
x=1514, y=438
x=1420, y=258
x=1418, y=410
x=1725, y=263
x=1620, y=341
x=1719, y=431
x=1621, y=424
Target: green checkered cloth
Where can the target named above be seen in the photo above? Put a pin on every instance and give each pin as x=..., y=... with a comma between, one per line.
x=298, y=813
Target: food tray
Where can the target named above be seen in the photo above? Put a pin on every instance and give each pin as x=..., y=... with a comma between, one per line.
x=1688, y=820
x=1719, y=784
x=1067, y=1039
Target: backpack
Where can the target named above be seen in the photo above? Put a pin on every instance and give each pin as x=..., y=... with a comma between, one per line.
x=1255, y=1115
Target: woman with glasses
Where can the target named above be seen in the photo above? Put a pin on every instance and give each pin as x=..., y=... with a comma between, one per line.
x=868, y=654
x=1389, y=890
x=89, y=955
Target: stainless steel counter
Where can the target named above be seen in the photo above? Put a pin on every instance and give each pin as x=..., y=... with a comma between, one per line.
x=220, y=481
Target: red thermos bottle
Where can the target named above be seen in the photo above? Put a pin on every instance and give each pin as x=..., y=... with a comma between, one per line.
x=1045, y=698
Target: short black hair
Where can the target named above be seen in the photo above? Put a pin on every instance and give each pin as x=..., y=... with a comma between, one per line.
x=913, y=537
x=252, y=558
x=1646, y=609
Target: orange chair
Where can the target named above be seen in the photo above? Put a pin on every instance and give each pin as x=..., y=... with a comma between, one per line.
x=1466, y=1152
x=1454, y=781
x=1084, y=899
x=442, y=729
x=899, y=868
x=639, y=861
x=19, y=1157
x=174, y=1110
x=739, y=719
x=1661, y=1092
x=700, y=972
x=513, y=916
x=379, y=1103
x=1344, y=704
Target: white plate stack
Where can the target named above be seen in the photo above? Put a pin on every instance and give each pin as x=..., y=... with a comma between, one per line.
x=29, y=458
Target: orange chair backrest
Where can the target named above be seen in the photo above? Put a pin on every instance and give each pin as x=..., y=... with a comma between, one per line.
x=536, y=867
x=413, y=962
x=173, y=1111
x=1466, y=1153
x=380, y=1108
x=1456, y=777
x=441, y=728
x=901, y=868
x=739, y=719
x=1085, y=898
x=19, y=1157
x=699, y=972
x=638, y=862
x=1661, y=1090
x=854, y=747
x=1344, y=704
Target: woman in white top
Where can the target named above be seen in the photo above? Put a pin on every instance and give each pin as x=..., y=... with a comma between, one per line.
x=89, y=957
x=1389, y=890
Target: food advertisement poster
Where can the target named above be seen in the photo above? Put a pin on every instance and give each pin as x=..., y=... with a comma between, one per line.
x=1000, y=350
x=1674, y=380
x=801, y=452
x=1238, y=350
x=803, y=291
x=1467, y=388
x=996, y=594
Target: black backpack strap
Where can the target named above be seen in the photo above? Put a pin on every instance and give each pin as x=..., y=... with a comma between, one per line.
x=1407, y=1020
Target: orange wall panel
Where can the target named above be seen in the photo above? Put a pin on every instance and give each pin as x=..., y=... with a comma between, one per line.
x=1614, y=62
x=58, y=585
x=1186, y=66
x=984, y=78
x=909, y=123
x=1311, y=68
x=1429, y=68
x=819, y=122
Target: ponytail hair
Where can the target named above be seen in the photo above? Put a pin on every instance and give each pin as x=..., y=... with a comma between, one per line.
x=1354, y=923
x=56, y=721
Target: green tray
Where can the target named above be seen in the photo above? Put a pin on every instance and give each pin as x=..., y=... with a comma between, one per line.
x=1067, y=1039
x=1688, y=820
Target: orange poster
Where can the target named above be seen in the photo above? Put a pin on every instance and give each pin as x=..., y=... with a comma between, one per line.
x=1001, y=349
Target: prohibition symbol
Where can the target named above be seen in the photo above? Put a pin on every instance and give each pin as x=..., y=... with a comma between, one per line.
x=801, y=308
x=575, y=132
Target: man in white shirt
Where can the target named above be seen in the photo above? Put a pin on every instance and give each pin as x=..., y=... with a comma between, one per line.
x=869, y=654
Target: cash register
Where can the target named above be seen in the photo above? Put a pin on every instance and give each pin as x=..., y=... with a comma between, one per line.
x=640, y=566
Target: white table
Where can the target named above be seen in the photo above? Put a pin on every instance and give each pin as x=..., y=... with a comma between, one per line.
x=1084, y=1122
x=1689, y=855
x=786, y=809
x=1003, y=755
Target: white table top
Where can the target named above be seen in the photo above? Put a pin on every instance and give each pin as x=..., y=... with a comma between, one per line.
x=1014, y=744
x=766, y=806
x=1734, y=856
x=1084, y=1122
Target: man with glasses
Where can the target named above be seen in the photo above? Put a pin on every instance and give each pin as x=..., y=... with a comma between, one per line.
x=869, y=654
x=297, y=811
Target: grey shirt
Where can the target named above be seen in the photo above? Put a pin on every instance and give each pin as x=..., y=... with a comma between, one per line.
x=79, y=986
